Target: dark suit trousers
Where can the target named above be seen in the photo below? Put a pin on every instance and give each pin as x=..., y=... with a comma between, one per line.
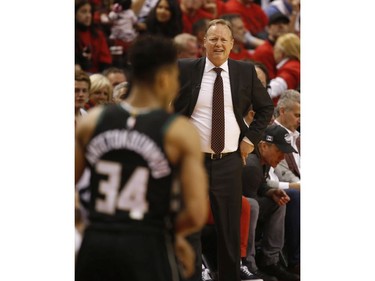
x=292, y=226
x=225, y=181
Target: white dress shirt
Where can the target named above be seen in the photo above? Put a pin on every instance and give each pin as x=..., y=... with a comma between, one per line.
x=202, y=114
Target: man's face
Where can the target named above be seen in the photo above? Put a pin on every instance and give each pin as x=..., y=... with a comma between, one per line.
x=238, y=30
x=291, y=117
x=191, y=50
x=116, y=78
x=81, y=89
x=275, y=30
x=271, y=154
x=218, y=43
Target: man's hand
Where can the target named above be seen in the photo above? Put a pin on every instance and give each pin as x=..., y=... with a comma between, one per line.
x=295, y=185
x=185, y=255
x=279, y=196
x=245, y=149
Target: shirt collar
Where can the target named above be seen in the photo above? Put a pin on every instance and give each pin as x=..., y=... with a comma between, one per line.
x=294, y=134
x=281, y=63
x=209, y=66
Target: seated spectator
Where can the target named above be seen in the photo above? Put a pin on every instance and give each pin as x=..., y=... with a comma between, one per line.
x=115, y=75
x=288, y=174
x=199, y=31
x=91, y=48
x=192, y=11
x=164, y=19
x=290, y=8
x=100, y=91
x=81, y=88
x=272, y=204
x=254, y=18
x=238, y=52
x=119, y=82
x=187, y=46
x=287, y=57
x=277, y=26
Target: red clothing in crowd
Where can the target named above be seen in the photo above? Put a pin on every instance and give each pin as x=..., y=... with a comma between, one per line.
x=188, y=21
x=100, y=53
x=264, y=54
x=252, y=15
x=244, y=225
x=290, y=72
x=242, y=55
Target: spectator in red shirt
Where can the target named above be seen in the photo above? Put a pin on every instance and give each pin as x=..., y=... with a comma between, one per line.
x=277, y=26
x=238, y=52
x=199, y=31
x=192, y=11
x=253, y=16
x=287, y=57
x=91, y=48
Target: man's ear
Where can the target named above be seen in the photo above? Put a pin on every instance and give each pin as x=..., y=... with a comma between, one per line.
x=281, y=110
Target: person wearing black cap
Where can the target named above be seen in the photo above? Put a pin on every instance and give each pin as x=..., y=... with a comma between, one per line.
x=275, y=142
x=277, y=25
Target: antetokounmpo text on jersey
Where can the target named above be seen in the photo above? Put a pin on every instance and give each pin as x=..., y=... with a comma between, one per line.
x=131, y=140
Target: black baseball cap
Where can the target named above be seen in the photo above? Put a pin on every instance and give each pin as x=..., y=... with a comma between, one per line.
x=280, y=137
x=278, y=18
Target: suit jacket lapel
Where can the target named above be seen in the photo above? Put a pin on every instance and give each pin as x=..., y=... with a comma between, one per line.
x=196, y=75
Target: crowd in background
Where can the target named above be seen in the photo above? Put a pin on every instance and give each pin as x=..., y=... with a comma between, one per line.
x=264, y=31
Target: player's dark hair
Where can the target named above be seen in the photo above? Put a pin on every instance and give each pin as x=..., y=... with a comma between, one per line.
x=148, y=54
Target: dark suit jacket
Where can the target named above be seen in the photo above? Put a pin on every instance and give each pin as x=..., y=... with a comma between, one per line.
x=245, y=87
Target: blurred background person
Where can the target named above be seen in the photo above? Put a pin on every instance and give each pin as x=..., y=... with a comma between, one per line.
x=187, y=46
x=100, y=91
x=199, y=31
x=164, y=19
x=81, y=88
x=238, y=52
x=115, y=75
x=192, y=11
x=91, y=49
x=287, y=57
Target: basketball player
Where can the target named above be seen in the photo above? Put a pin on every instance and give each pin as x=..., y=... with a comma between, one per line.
x=136, y=152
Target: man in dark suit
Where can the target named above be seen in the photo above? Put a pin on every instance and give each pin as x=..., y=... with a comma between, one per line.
x=201, y=81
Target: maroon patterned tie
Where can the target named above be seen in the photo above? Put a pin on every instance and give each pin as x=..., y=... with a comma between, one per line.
x=218, y=125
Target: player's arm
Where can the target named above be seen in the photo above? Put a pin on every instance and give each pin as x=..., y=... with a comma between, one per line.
x=84, y=129
x=183, y=149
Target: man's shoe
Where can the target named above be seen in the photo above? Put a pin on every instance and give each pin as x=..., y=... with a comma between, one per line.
x=280, y=272
x=265, y=276
x=246, y=275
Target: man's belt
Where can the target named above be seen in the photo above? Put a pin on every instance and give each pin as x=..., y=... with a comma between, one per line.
x=216, y=156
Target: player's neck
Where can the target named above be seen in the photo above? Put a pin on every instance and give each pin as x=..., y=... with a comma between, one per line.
x=140, y=97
